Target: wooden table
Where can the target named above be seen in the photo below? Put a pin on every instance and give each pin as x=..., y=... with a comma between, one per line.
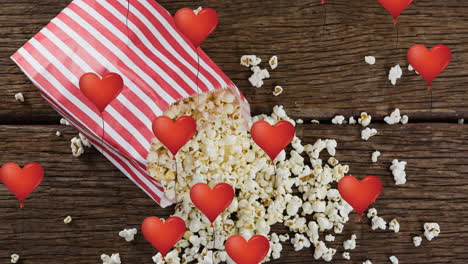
x=321, y=51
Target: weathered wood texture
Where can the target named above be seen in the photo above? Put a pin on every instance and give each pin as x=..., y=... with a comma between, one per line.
x=102, y=201
x=320, y=48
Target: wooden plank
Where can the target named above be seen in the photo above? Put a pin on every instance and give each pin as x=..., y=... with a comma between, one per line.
x=320, y=48
x=103, y=201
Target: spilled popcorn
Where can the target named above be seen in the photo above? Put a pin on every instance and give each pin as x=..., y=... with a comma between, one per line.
x=431, y=230
x=365, y=119
x=15, y=258
x=338, y=120
x=223, y=151
x=375, y=156
x=278, y=90
x=394, y=225
x=114, y=259
x=395, y=74
x=368, y=133
x=273, y=62
x=64, y=122
x=128, y=234
x=19, y=97
x=393, y=259
x=258, y=76
x=369, y=60
x=77, y=145
x=250, y=60
x=67, y=220
x=395, y=118
x=417, y=241
x=350, y=243
x=398, y=171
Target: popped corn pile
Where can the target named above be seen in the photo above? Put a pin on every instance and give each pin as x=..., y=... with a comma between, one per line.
x=223, y=151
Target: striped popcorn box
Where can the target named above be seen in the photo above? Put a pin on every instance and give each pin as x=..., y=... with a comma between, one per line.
x=138, y=40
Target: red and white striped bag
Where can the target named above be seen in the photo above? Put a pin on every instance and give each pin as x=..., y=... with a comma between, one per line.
x=139, y=41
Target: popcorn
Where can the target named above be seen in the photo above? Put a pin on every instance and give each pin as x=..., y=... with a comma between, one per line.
x=300, y=241
x=395, y=118
x=330, y=238
x=368, y=133
x=258, y=76
x=375, y=155
x=65, y=122
x=365, y=119
x=278, y=90
x=196, y=11
x=223, y=151
x=378, y=223
x=313, y=121
x=352, y=121
x=350, y=243
x=393, y=259
x=431, y=230
x=114, y=259
x=338, y=120
x=128, y=234
x=15, y=258
x=395, y=74
x=461, y=121
x=369, y=60
x=273, y=62
x=404, y=119
x=84, y=140
x=417, y=241
x=371, y=212
x=67, y=220
x=58, y=134
x=76, y=147
x=250, y=60
x=346, y=255
x=19, y=97
x=367, y=262
x=299, y=121
x=398, y=171
x=410, y=68
x=394, y=225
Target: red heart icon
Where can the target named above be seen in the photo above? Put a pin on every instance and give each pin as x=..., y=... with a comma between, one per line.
x=196, y=27
x=174, y=135
x=360, y=194
x=429, y=63
x=272, y=139
x=212, y=202
x=163, y=235
x=395, y=7
x=23, y=181
x=243, y=252
x=101, y=92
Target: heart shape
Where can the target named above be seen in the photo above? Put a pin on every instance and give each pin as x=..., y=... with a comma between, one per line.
x=21, y=181
x=243, y=252
x=360, y=194
x=395, y=7
x=272, y=139
x=174, y=135
x=429, y=64
x=212, y=202
x=101, y=92
x=196, y=26
x=163, y=235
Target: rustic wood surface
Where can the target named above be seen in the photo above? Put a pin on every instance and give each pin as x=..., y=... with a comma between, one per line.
x=321, y=50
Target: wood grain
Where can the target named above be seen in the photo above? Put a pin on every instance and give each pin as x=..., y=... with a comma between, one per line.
x=320, y=48
x=102, y=201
